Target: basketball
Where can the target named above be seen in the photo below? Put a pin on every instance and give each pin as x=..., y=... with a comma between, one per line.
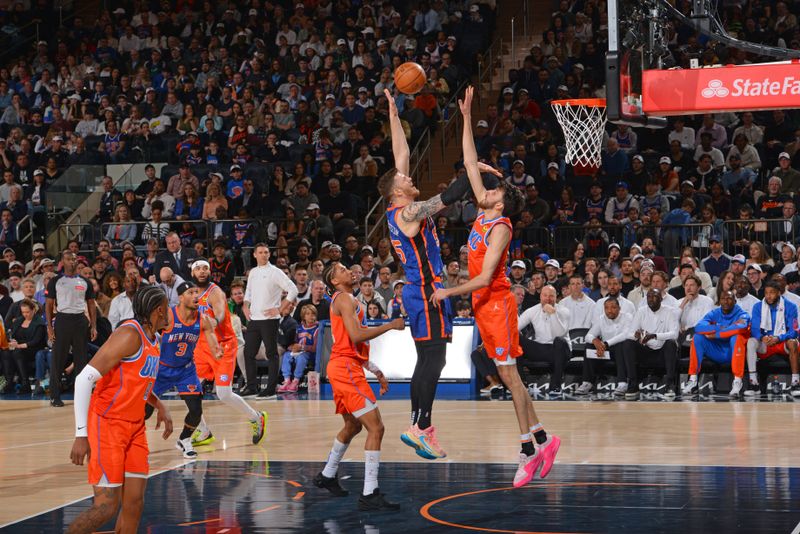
x=410, y=78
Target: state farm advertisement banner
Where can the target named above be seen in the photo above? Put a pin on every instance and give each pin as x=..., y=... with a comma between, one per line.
x=728, y=88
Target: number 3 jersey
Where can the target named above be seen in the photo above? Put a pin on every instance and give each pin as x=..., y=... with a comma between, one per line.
x=122, y=392
x=178, y=343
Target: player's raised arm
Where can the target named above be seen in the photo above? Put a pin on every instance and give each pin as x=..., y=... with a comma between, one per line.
x=400, y=149
x=346, y=308
x=501, y=236
x=468, y=146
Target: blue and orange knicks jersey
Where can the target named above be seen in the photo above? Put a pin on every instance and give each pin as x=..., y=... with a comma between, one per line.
x=178, y=343
x=420, y=255
x=224, y=330
x=122, y=392
x=478, y=243
x=343, y=346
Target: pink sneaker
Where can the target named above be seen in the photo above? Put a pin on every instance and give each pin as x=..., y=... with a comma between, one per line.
x=548, y=453
x=284, y=388
x=429, y=439
x=527, y=468
x=293, y=386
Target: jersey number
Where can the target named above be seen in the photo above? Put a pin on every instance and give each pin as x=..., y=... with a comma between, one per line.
x=181, y=349
x=398, y=247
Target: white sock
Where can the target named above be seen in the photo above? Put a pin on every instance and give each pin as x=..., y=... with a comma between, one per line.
x=233, y=400
x=693, y=378
x=335, y=456
x=372, y=462
x=203, y=427
x=754, y=377
x=795, y=378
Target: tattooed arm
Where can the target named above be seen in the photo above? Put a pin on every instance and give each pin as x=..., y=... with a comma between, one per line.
x=418, y=211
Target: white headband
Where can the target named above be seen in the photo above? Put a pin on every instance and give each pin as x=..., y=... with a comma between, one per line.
x=200, y=263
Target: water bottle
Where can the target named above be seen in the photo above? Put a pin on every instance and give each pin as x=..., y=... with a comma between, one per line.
x=776, y=386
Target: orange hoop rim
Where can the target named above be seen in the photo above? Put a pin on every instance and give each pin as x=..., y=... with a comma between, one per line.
x=587, y=102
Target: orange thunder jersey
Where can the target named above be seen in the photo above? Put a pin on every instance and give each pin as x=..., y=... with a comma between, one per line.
x=123, y=391
x=343, y=346
x=224, y=329
x=478, y=245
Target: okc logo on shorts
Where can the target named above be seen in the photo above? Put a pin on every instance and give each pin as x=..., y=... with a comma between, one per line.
x=499, y=351
x=223, y=378
x=715, y=88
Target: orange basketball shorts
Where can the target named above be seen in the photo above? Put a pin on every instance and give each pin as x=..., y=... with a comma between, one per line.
x=351, y=391
x=496, y=318
x=220, y=371
x=118, y=450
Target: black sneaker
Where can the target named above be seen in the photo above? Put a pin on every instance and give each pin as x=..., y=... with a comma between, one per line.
x=795, y=390
x=669, y=393
x=330, y=484
x=57, y=403
x=38, y=391
x=248, y=392
x=267, y=394
x=753, y=389
x=632, y=395
x=376, y=502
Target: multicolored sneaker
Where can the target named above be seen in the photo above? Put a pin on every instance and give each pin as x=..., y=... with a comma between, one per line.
x=527, y=468
x=259, y=427
x=411, y=437
x=424, y=442
x=202, y=438
x=432, y=443
x=548, y=451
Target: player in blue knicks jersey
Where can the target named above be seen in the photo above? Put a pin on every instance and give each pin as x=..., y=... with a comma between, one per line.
x=185, y=325
x=413, y=235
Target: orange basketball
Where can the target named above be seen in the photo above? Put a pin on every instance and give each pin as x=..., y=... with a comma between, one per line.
x=410, y=78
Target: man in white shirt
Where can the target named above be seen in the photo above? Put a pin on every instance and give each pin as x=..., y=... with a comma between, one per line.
x=614, y=288
x=169, y=283
x=121, y=307
x=581, y=307
x=744, y=299
x=659, y=281
x=159, y=192
x=607, y=335
x=550, y=323
x=693, y=307
x=655, y=331
x=683, y=134
x=263, y=309
x=638, y=294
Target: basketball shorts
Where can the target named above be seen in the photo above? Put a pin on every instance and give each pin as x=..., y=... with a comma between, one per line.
x=779, y=349
x=219, y=370
x=427, y=322
x=496, y=319
x=118, y=450
x=184, y=379
x=351, y=391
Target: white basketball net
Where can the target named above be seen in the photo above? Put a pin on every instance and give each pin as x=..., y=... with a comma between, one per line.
x=583, y=127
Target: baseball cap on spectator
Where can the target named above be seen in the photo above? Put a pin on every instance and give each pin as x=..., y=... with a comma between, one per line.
x=382, y=42
x=785, y=244
x=552, y=165
x=336, y=247
x=325, y=244
x=452, y=37
x=217, y=174
x=552, y=263
x=638, y=158
x=149, y=90
x=754, y=266
x=544, y=257
x=665, y=159
x=119, y=11
x=330, y=97
x=519, y=161
x=362, y=90
x=346, y=85
x=9, y=249
x=648, y=264
x=299, y=5
x=578, y=66
x=482, y=124
x=523, y=90
x=562, y=88
x=38, y=246
x=47, y=261
x=14, y=264
x=474, y=8
x=126, y=244
x=341, y=42
x=38, y=172
x=253, y=12
x=687, y=182
x=312, y=206
x=784, y=155
x=410, y=46
x=235, y=167
x=518, y=264
x=367, y=30
x=637, y=257
x=614, y=245
x=715, y=238
x=621, y=184
x=90, y=70
x=464, y=248
x=368, y=248
x=397, y=283
x=739, y=258
x=508, y=91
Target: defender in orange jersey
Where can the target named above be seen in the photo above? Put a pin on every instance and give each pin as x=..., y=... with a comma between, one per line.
x=109, y=423
x=213, y=303
x=351, y=392
x=493, y=303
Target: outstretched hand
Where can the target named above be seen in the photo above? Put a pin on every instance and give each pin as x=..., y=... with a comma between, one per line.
x=466, y=104
x=392, y=104
x=484, y=168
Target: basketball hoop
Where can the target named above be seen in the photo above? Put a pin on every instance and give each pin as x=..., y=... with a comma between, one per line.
x=583, y=122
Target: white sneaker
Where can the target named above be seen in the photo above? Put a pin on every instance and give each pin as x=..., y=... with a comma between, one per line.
x=584, y=389
x=753, y=389
x=736, y=389
x=690, y=388
x=185, y=446
x=621, y=390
